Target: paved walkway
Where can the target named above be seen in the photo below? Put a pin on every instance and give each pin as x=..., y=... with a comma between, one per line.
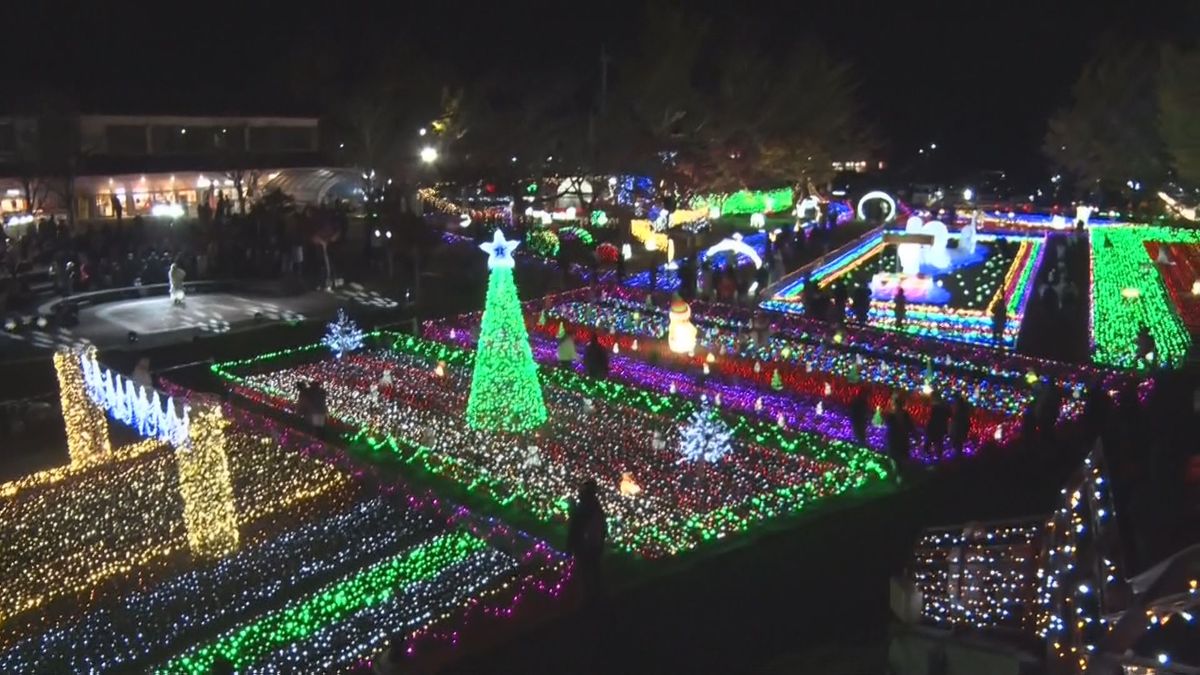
x=157, y=321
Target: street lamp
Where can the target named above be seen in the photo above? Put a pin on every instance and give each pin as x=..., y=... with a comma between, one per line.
x=429, y=154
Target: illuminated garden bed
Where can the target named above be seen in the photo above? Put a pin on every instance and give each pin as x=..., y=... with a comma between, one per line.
x=627, y=439
x=1129, y=293
x=97, y=576
x=957, y=304
x=804, y=364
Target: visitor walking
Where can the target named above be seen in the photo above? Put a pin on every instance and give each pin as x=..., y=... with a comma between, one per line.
x=900, y=305
x=587, y=529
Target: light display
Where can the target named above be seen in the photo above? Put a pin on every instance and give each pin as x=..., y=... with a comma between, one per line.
x=957, y=303
x=208, y=506
x=544, y=242
x=87, y=427
x=705, y=437
x=681, y=334
x=1120, y=261
x=980, y=575
x=889, y=216
x=343, y=335
x=251, y=642
x=505, y=393
x=120, y=522
x=772, y=471
x=136, y=406
x=745, y=202
x=1081, y=530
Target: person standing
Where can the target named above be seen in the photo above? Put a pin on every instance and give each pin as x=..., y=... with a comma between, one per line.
x=999, y=321
x=566, y=350
x=960, y=423
x=901, y=308
x=595, y=359
x=840, y=298
x=899, y=433
x=862, y=303
x=587, y=530
x=319, y=410
x=175, y=276
x=937, y=427
x=859, y=410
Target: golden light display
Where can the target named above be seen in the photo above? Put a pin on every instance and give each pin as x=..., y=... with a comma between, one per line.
x=87, y=426
x=208, y=507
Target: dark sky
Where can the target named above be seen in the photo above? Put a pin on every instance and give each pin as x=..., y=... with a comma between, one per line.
x=977, y=78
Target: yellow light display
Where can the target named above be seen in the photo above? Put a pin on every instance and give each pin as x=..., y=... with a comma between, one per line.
x=208, y=507
x=87, y=426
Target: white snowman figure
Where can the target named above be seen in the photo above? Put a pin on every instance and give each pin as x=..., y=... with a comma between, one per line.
x=386, y=379
x=1083, y=213
x=758, y=220
x=532, y=457
x=966, y=239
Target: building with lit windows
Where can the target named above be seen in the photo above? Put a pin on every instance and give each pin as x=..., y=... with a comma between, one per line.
x=165, y=165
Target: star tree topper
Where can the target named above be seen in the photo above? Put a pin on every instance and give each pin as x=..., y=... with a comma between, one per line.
x=500, y=251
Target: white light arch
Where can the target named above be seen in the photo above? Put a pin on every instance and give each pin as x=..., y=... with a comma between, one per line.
x=878, y=194
x=737, y=247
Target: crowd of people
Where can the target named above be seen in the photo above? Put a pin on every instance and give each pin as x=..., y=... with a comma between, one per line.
x=53, y=257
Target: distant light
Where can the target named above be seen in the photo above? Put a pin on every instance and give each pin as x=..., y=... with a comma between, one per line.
x=341, y=145
x=933, y=146
x=421, y=131
x=143, y=179
x=183, y=131
x=549, y=158
x=389, y=234
x=1130, y=293
x=1163, y=659
x=514, y=159
x=376, y=233
x=968, y=194
x=166, y=211
x=13, y=192
x=429, y=154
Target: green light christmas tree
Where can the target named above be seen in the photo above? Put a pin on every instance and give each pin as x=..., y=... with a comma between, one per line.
x=505, y=392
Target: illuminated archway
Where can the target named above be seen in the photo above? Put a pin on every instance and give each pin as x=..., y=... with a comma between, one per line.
x=736, y=246
x=878, y=194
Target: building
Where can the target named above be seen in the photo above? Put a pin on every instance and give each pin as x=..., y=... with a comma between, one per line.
x=158, y=164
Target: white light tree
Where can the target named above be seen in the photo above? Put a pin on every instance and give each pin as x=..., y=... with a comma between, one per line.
x=343, y=335
x=705, y=437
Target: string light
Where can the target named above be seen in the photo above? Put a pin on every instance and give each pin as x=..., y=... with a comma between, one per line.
x=86, y=425
x=505, y=393
x=342, y=335
x=208, y=506
x=974, y=291
x=1120, y=261
x=770, y=472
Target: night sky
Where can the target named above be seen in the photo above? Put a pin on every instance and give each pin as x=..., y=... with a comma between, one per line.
x=977, y=78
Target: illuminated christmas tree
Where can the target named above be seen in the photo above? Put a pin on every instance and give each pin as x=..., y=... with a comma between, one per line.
x=505, y=392
x=343, y=335
x=705, y=437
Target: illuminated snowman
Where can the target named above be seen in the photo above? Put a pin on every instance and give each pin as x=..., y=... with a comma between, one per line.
x=681, y=333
